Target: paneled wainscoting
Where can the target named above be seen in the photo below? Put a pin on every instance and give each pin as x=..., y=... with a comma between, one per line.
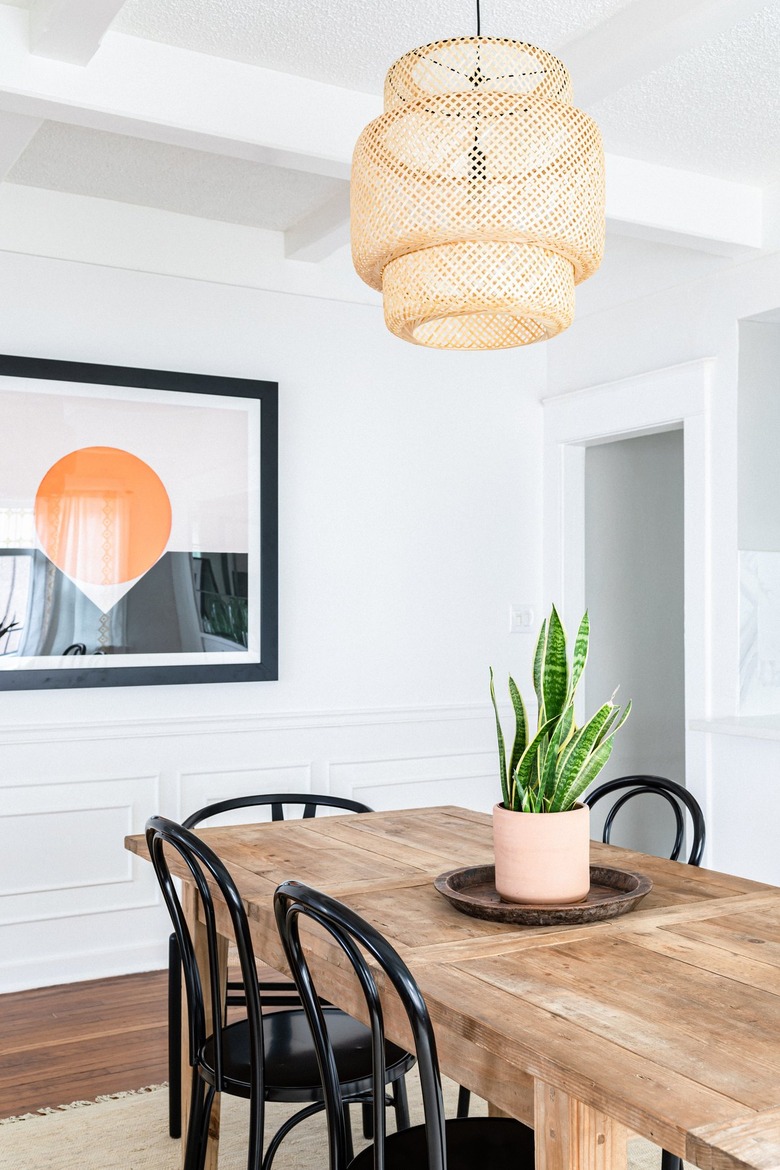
x=74, y=905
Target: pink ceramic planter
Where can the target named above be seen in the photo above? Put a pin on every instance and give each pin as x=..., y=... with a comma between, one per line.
x=542, y=858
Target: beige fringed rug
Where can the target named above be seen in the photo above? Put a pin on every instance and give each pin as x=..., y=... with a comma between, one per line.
x=130, y=1132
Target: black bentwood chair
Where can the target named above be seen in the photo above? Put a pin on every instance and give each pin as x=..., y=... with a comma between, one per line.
x=680, y=800
x=276, y=993
x=674, y=794
x=468, y=1143
x=262, y=1058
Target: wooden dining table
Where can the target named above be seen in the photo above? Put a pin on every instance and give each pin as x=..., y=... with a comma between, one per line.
x=663, y=1022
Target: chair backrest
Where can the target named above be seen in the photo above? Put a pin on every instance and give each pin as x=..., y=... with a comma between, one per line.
x=209, y=874
x=355, y=936
x=277, y=800
x=677, y=797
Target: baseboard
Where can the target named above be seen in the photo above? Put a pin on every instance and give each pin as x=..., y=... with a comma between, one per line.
x=52, y=971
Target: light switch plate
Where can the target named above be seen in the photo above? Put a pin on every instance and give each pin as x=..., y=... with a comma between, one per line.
x=521, y=619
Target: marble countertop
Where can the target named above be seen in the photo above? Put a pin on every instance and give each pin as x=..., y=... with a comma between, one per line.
x=754, y=726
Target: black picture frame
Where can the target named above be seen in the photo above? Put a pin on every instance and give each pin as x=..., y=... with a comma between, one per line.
x=257, y=660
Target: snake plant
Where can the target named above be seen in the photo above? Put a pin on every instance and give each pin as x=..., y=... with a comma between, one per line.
x=547, y=771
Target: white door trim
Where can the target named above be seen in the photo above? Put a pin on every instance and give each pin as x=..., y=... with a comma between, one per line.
x=665, y=399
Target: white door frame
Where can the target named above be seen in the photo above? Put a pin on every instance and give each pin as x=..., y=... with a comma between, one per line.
x=665, y=399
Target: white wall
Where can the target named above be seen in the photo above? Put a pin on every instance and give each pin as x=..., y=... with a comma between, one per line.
x=409, y=519
x=700, y=319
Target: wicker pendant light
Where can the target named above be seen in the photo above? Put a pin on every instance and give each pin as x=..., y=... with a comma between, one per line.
x=478, y=196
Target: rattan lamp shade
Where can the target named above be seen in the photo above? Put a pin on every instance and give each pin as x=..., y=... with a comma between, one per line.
x=478, y=196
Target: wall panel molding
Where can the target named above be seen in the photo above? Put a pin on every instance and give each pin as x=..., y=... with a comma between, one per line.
x=62, y=840
x=186, y=725
x=466, y=778
x=201, y=788
x=68, y=914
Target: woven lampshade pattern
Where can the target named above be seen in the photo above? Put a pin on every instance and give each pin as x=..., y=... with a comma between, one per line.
x=478, y=196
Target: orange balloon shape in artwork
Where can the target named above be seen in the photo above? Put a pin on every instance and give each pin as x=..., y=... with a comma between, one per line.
x=102, y=515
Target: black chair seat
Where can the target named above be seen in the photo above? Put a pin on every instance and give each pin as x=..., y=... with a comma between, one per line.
x=291, y=1072
x=473, y=1143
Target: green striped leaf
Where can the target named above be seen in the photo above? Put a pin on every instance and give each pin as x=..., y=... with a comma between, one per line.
x=526, y=774
x=521, y=726
x=608, y=729
x=558, y=741
x=591, y=770
x=555, y=668
x=538, y=663
x=576, y=756
x=526, y=803
x=586, y=736
x=580, y=653
x=501, y=748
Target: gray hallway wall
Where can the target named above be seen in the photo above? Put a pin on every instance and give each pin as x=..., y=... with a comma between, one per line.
x=634, y=593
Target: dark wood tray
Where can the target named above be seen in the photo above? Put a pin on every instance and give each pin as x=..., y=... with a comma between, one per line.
x=612, y=892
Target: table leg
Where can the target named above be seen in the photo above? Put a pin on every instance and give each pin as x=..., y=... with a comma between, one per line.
x=199, y=940
x=572, y=1136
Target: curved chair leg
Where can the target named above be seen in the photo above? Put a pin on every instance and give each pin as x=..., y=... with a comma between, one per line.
x=283, y=1130
x=174, y=1038
x=670, y=1161
x=348, y=1128
x=256, y=1119
x=464, y=1099
x=198, y=1127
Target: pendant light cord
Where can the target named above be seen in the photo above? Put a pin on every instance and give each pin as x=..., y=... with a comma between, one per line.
x=479, y=22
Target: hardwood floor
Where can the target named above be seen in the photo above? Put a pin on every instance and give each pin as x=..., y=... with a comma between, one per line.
x=62, y=1044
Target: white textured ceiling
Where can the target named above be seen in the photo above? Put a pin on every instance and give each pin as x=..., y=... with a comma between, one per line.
x=715, y=109
x=173, y=178
x=350, y=43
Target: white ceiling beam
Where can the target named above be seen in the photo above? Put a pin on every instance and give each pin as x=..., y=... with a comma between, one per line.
x=772, y=218
x=70, y=30
x=187, y=99
x=150, y=90
x=650, y=202
x=322, y=232
x=16, y=133
x=683, y=208
x=641, y=38
x=109, y=234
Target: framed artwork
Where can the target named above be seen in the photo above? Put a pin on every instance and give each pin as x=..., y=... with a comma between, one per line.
x=138, y=526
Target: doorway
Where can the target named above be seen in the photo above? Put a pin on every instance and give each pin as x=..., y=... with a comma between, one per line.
x=614, y=415
x=634, y=592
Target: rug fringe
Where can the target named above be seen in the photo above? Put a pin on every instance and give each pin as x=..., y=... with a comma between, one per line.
x=47, y=1109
